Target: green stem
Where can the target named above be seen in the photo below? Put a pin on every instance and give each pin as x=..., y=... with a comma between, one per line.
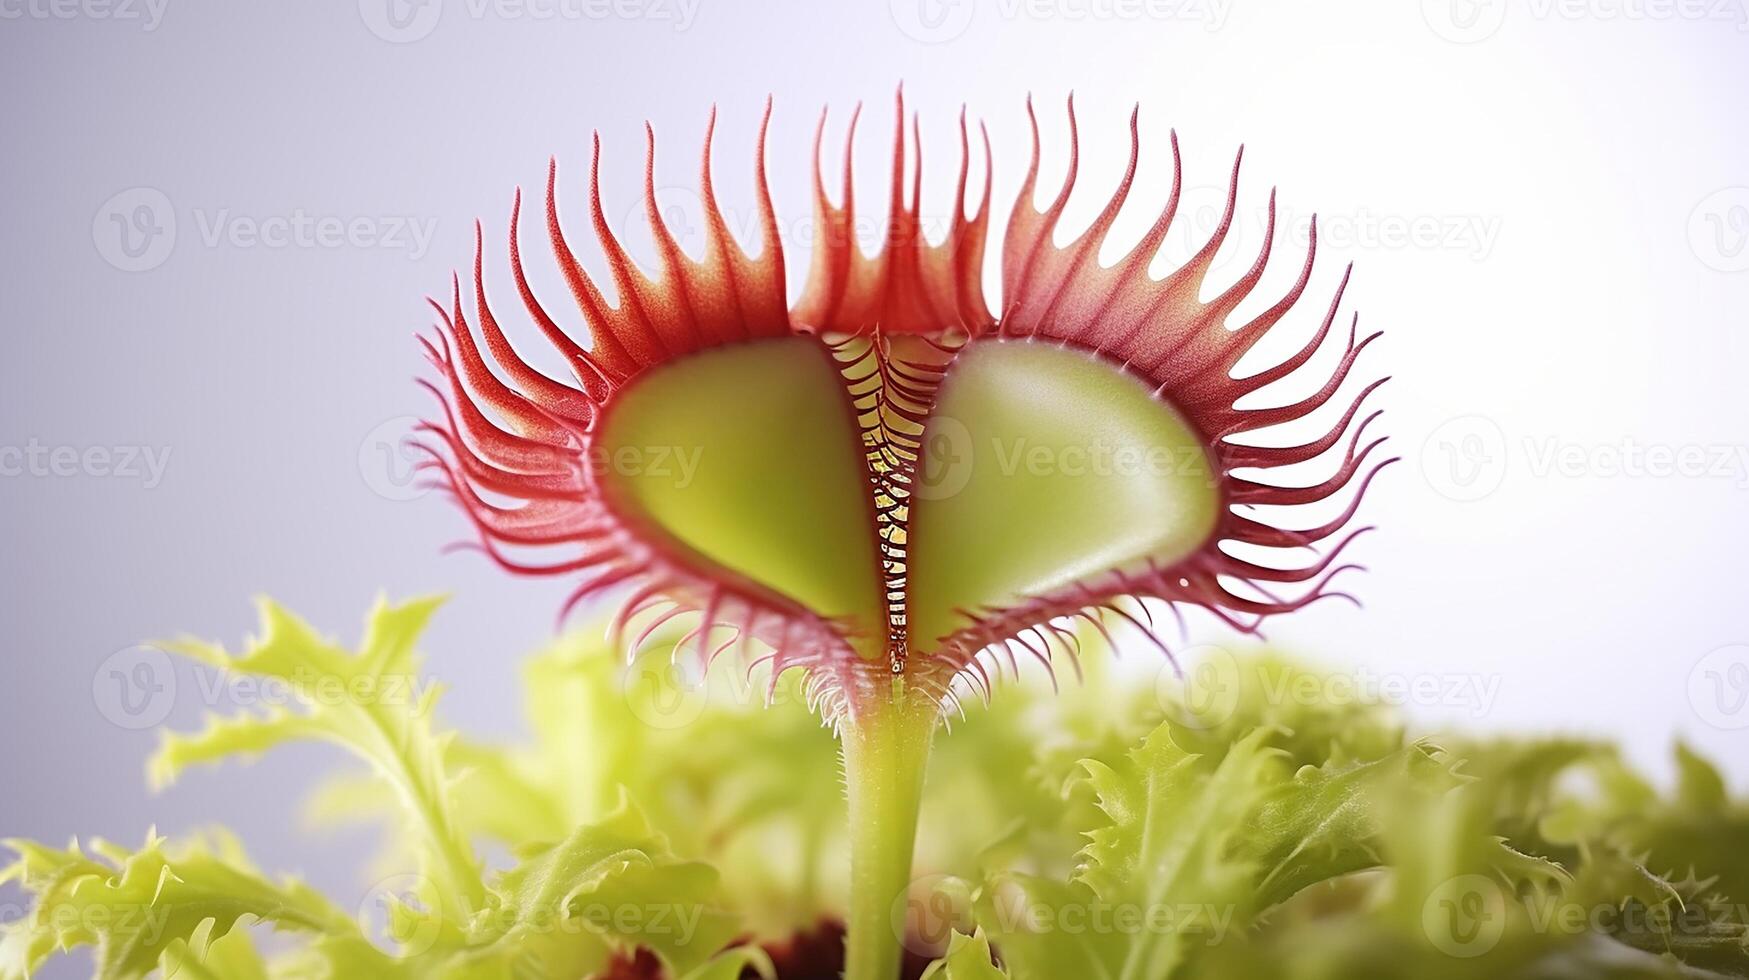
x=886, y=749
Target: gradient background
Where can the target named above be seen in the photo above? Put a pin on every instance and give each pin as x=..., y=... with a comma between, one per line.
x=1548, y=205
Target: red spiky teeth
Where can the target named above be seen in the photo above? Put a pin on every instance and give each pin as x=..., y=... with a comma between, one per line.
x=514, y=446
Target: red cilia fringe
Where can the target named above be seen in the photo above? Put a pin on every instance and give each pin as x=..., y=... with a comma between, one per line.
x=512, y=445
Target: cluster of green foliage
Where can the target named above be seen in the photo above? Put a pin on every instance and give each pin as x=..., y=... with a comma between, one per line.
x=1103, y=832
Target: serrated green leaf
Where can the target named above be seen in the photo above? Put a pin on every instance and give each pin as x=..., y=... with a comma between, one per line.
x=610, y=885
x=1163, y=872
x=370, y=703
x=1284, y=836
x=1325, y=822
x=139, y=908
x=711, y=764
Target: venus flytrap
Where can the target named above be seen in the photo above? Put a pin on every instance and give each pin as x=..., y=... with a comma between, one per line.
x=889, y=495
x=846, y=517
